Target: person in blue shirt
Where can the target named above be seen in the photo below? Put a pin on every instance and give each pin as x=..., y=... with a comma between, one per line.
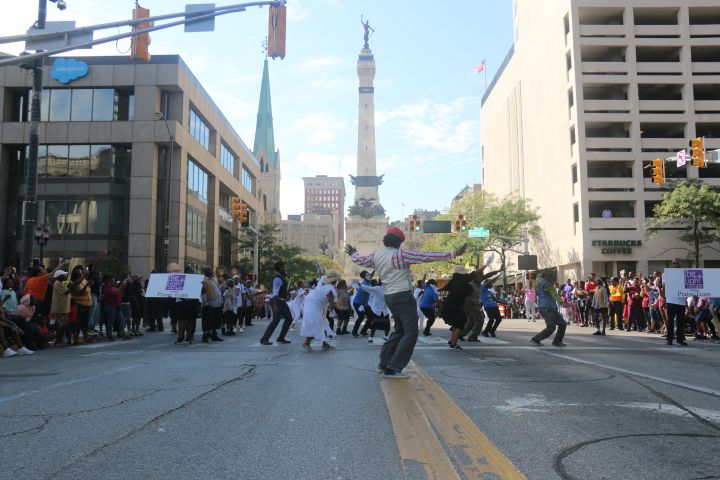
x=548, y=300
x=361, y=305
x=489, y=301
x=427, y=304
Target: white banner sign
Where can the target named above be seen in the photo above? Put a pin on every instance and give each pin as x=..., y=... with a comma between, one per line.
x=174, y=285
x=681, y=158
x=685, y=282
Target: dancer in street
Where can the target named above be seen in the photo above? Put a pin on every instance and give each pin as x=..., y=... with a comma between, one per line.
x=280, y=309
x=453, y=309
x=360, y=305
x=380, y=318
x=314, y=325
x=393, y=267
x=428, y=300
x=548, y=300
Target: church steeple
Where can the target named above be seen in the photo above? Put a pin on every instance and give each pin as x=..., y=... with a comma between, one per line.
x=264, y=133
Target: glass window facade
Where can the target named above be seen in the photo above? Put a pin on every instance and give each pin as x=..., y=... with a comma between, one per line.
x=195, y=228
x=197, y=180
x=199, y=130
x=83, y=217
x=84, y=161
x=77, y=105
x=247, y=179
x=227, y=159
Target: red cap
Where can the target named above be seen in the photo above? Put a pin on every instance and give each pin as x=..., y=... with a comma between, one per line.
x=397, y=232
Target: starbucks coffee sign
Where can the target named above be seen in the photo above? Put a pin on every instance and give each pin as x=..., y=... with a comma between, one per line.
x=612, y=247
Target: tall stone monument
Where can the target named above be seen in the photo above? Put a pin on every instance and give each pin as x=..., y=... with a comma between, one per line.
x=366, y=222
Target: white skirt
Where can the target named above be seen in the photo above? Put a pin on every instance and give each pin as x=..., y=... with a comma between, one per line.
x=315, y=324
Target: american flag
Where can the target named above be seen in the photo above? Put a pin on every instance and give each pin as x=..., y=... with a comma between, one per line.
x=481, y=67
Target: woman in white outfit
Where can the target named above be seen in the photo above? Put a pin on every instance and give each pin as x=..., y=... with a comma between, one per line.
x=296, y=304
x=314, y=325
x=381, y=312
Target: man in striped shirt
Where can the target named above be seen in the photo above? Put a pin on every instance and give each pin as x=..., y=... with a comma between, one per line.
x=393, y=267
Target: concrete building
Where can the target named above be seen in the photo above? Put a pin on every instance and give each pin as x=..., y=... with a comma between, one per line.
x=589, y=94
x=102, y=164
x=326, y=196
x=312, y=233
x=414, y=239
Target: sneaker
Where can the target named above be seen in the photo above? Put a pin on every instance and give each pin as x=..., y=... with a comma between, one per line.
x=385, y=338
x=455, y=347
x=265, y=342
x=390, y=373
x=179, y=341
x=370, y=340
x=282, y=340
x=427, y=334
x=485, y=334
x=241, y=330
x=559, y=344
x=598, y=333
x=25, y=351
x=9, y=352
x=535, y=342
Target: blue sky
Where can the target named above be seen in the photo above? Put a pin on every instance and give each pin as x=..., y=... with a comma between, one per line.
x=427, y=95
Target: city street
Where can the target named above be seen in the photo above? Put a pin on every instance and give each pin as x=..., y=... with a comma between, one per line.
x=620, y=406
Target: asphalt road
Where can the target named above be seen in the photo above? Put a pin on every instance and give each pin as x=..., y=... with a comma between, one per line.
x=615, y=407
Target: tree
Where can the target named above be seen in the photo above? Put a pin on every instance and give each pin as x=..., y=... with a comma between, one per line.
x=693, y=206
x=113, y=263
x=470, y=204
x=508, y=219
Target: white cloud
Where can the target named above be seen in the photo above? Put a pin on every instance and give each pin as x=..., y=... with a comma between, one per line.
x=296, y=12
x=317, y=129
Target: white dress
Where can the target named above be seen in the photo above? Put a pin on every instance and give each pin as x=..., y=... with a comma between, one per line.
x=296, y=305
x=314, y=322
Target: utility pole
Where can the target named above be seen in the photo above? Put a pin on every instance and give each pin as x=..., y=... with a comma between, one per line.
x=29, y=210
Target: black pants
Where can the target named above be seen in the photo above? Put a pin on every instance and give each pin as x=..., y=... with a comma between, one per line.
x=494, y=319
x=429, y=313
x=211, y=319
x=600, y=315
x=280, y=310
x=676, y=317
x=359, y=317
x=616, y=308
x=249, y=312
x=83, y=316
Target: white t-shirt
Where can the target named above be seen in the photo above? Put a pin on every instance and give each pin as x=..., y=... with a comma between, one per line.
x=240, y=290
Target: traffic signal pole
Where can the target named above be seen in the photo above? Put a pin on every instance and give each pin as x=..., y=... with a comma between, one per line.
x=29, y=210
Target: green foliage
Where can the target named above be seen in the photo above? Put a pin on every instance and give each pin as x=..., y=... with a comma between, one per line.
x=506, y=218
x=271, y=250
x=694, y=207
x=114, y=263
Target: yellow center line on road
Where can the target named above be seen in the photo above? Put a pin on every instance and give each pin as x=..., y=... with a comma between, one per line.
x=420, y=450
x=418, y=409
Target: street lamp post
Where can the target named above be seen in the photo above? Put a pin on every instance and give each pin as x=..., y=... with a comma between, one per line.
x=42, y=235
x=168, y=180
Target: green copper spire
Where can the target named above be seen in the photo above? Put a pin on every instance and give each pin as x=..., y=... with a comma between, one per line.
x=264, y=135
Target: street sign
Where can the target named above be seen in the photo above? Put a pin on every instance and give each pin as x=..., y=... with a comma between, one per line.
x=436, y=226
x=207, y=25
x=478, y=233
x=681, y=160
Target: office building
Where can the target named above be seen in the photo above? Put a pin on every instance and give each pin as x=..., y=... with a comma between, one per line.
x=312, y=233
x=326, y=196
x=589, y=94
x=105, y=139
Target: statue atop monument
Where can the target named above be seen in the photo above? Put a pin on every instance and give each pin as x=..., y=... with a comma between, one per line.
x=368, y=30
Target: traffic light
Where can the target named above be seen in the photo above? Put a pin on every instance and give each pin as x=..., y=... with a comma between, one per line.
x=276, y=32
x=658, y=171
x=460, y=223
x=235, y=207
x=414, y=224
x=697, y=148
x=418, y=225
x=139, y=44
x=244, y=216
